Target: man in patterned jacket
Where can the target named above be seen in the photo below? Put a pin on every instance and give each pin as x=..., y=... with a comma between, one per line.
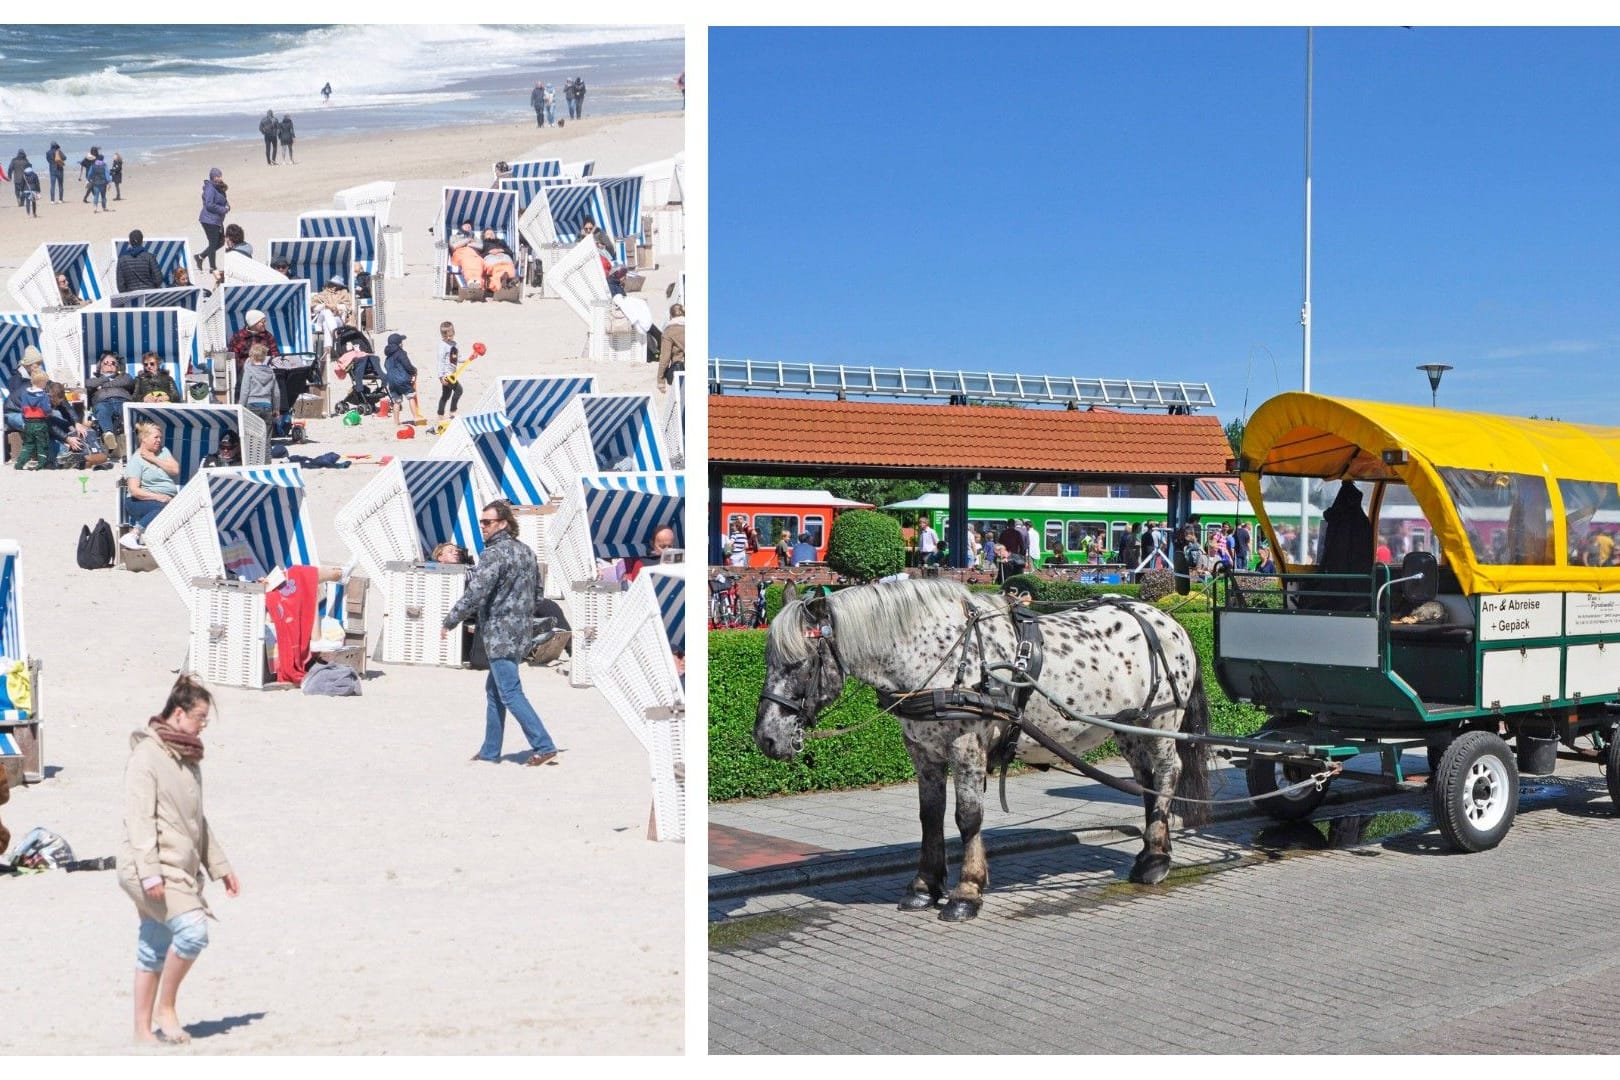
x=501, y=589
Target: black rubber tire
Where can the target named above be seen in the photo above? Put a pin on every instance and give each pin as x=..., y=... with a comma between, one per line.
x=1262, y=775
x=1612, y=768
x=1476, y=791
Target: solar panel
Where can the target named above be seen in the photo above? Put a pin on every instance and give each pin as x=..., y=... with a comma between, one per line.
x=847, y=380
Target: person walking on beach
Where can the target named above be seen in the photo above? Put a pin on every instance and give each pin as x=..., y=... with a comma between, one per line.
x=502, y=590
x=672, y=348
x=570, y=99
x=551, y=105
x=85, y=163
x=267, y=128
x=31, y=191
x=115, y=173
x=212, y=218
x=99, y=178
x=56, y=161
x=168, y=842
x=326, y=94
x=18, y=164
x=537, y=102
x=579, y=96
x=284, y=132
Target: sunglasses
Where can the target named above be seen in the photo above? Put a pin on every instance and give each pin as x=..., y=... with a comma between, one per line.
x=489, y=521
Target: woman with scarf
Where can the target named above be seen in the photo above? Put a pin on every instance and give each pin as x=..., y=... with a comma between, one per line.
x=167, y=843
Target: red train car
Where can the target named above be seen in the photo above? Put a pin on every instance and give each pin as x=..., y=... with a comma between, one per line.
x=775, y=512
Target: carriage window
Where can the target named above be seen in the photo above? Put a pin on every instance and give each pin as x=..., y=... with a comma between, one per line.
x=1081, y=531
x=772, y=527
x=1506, y=516
x=1592, y=521
x=814, y=524
x=1052, y=537
x=1402, y=527
x=1118, y=531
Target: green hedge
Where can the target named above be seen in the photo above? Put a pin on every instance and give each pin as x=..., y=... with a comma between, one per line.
x=865, y=545
x=876, y=753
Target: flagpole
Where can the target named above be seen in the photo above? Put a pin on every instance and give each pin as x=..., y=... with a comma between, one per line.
x=1305, y=310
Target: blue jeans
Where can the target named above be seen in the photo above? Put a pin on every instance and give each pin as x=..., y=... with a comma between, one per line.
x=141, y=511
x=108, y=414
x=56, y=185
x=503, y=690
x=98, y=195
x=187, y=933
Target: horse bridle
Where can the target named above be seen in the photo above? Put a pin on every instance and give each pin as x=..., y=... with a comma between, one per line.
x=819, y=630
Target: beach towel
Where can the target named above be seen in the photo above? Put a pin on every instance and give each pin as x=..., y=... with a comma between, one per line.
x=292, y=608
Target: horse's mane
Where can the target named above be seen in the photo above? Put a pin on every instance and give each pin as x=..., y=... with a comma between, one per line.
x=870, y=619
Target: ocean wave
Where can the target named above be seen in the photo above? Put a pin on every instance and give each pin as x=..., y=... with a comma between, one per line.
x=368, y=66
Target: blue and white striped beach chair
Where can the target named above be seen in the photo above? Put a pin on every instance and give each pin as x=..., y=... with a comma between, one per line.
x=484, y=208
x=286, y=308
x=34, y=282
x=622, y=197
x=550, y=222
x=18, y=331
x=189, y=297
x=538, y=167
x=530, y=186
x=391, y=526
x=597, y=433
x=19, y=715
x=318, y=260
x=633, y=664
x=172, y=253
x=263, y=509
x=361, y=228
x=191, y=433
x=579, y=169
x=132, y=332
x=608, y=516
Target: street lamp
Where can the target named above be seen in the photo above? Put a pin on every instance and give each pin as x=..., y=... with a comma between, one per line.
x=1434, y=371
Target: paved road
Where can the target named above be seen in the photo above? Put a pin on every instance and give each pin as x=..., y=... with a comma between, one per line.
x=1390, y=948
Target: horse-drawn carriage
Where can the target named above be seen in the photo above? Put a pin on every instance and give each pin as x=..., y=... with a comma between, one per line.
x=1474, y=599
x=1477, y=602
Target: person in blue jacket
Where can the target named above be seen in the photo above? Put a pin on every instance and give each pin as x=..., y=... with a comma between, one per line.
x=212, y=218
x=399, y=378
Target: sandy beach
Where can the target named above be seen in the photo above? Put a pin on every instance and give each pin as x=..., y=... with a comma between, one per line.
x=396, y=899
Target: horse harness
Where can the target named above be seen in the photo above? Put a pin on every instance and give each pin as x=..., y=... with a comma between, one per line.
x=1005, y=698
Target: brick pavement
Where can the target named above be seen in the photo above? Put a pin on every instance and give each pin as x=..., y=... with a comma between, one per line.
x=1397, y=947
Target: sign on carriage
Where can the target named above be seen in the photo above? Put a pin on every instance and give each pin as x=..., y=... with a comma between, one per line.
x=1512, y=616
x=1592, y=613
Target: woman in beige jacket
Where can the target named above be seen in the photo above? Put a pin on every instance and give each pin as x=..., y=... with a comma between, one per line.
x=167, y=842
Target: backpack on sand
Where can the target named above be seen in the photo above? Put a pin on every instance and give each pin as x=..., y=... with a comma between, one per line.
x=96, y=546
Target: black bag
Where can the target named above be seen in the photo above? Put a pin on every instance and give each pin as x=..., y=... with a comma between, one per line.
x=96, y=546
x=477, y=659
x=655, y=344
x=536, y=274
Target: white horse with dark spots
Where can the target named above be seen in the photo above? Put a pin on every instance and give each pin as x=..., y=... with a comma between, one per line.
x=1118, y=659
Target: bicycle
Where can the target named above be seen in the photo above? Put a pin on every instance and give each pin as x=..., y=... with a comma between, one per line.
x=724, y=609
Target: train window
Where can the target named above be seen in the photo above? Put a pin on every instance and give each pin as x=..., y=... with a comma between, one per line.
x=1052, y=537
x=815, y=525
x=1081, y=531
x=1119, y=530
x=1506, y=516
x=1592, y=521
x=772, y=527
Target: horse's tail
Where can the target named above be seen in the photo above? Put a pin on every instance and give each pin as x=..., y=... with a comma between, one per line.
x=1194, y=782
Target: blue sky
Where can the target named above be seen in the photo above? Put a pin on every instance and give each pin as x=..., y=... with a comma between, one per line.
x=1129, y=202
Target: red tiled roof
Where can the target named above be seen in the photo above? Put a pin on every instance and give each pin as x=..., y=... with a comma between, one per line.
x=976, y=438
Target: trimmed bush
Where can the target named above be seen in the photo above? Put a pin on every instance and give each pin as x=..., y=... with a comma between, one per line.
x=1154, y=583
x=1047, y=591
x=876, y=753
x=865, y=545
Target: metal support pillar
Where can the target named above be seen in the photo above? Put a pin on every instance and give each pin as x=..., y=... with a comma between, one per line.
x=717, y=535
x=956, y=533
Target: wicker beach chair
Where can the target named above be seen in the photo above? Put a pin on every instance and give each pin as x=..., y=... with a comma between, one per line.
x=19, y=713
x=552, y=211
x=606, y=516
x=34, y=282
x=634, y=668
x=172, y=253
x=598, y=433
x=485, y=208
x=285, y=305
x=579, y=279
x=673, y=425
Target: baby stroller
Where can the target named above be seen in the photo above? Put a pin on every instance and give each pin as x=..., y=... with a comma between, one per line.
x=366, y=388
x=347, y=338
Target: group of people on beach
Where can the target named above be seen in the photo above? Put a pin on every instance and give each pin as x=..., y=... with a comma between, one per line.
x=543, y=100
x=277, y=131
x=95, y=171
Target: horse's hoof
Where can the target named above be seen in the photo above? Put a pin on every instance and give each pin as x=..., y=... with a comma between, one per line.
x=918, y=901
x=1150, y=869
x=959, y=911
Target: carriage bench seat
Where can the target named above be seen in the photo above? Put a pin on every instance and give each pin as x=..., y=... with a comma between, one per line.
x=1458, y=626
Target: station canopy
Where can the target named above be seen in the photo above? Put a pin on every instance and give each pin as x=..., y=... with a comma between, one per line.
x=1541, y=486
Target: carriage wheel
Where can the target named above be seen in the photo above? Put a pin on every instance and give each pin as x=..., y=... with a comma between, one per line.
x=1476, y=791
x=1263, y=775
x=1611, y=767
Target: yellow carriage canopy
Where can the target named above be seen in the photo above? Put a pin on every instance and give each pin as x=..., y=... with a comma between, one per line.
x=1516, y=505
